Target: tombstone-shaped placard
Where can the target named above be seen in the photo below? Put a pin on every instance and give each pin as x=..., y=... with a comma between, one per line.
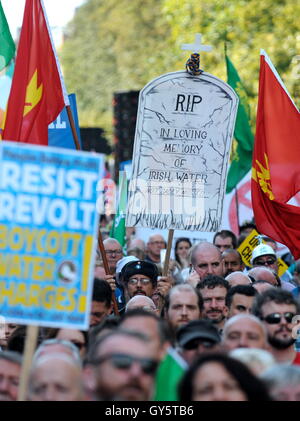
x=183, y=137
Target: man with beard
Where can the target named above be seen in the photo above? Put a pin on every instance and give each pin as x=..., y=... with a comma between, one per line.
x=141, y=278
x=10, y=371
x=182, y=304
x=277, y=308
x=214, y=290
x=121, y=367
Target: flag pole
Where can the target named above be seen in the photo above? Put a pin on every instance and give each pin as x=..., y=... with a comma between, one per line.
x=72, y=124
x=63, y=87
x=168, y=252
x=106, y=268
x=237, y=206
x=165, y=270
x=30, y=345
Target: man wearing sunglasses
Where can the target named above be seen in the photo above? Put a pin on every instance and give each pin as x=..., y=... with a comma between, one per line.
x=121, y=367
x=197, y=337
x=264, y=257
x=277, y=308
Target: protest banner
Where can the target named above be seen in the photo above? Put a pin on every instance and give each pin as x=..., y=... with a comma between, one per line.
x=181, y=151
x=184, y=130
x=48, y=234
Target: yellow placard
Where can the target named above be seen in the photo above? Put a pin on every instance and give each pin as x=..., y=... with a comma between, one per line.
x=246, y=249
x=282, y=267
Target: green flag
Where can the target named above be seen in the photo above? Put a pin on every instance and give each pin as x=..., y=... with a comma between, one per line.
x=7, y=45
x=169, y=373
x=118, y=229
x=243, y=137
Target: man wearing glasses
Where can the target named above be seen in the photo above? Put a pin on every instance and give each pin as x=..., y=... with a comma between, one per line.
x=141, y=278
x=197, y=337
x=114, y=252
x=155, y=243
x=121, y=367
x=277, y=308
x=264, y=256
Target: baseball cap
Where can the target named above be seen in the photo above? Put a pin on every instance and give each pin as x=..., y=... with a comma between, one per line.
x=197, y=329
x=140, y=267
x=262, y=250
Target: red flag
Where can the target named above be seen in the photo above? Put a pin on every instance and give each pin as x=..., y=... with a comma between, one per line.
x=276, y=164
x=37, y=94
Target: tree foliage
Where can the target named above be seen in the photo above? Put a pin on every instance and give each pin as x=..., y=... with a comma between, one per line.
x=121, y=45
x=112, y=46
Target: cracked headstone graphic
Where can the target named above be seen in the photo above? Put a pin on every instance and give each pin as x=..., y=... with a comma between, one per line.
x=182, y=144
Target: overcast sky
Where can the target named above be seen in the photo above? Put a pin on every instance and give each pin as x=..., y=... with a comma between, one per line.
x=59, y=12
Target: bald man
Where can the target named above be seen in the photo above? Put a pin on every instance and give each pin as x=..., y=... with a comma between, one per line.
x=55, y=377
x=269, y=275
x=263, y=274
x=262, y=286
x=136, y=242
x=238, y=278
x=141, y=301
x=206, y=259
x=244, y=331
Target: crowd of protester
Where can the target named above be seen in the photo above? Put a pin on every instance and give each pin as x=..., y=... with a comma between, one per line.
x=213, y=329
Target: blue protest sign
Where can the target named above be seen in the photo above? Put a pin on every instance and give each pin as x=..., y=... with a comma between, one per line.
x=48, y=234
x=59, y=132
